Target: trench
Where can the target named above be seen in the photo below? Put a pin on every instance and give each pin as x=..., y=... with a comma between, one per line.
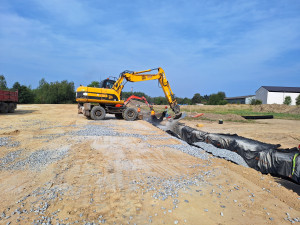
x=263, y=157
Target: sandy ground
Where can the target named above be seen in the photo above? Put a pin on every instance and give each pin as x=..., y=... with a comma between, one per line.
x=55, y=171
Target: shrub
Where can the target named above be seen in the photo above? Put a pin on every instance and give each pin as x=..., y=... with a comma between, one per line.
x=298, y=100
x=255, y=102
x=287, y=100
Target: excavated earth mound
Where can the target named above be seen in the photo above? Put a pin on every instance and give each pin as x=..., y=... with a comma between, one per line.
x=230, y=117
x=275, y=108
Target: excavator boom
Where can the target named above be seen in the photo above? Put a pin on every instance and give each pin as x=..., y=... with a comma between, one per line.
x=144, y=75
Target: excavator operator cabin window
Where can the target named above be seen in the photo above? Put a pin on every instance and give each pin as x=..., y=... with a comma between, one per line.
x=110, y=84
x=107, y=84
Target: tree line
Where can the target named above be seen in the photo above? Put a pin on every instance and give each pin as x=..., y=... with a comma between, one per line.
x=64, y=92
x=213, y=99
x=46, y=93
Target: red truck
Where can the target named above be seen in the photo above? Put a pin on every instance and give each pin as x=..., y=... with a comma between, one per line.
x=8, y=101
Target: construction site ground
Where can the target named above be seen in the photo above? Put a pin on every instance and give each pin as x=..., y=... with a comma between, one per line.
x=57, y=167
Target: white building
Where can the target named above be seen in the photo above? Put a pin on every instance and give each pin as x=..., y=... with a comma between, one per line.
x=276, y=95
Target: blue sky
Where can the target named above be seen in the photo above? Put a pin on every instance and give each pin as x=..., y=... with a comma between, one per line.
x=203, y=46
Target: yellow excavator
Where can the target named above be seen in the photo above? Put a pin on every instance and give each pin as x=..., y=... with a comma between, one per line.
x=95, y=102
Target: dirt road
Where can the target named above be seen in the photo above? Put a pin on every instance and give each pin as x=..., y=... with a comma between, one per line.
x=57, y=167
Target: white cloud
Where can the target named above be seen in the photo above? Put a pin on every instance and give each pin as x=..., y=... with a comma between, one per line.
x=69, y=12
x=202, y=45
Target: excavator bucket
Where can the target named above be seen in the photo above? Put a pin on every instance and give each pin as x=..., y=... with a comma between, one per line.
x=177, y=116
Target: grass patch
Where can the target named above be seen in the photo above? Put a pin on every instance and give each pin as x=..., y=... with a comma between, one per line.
x=241, y=112
x=198, y=119
x=214, y=120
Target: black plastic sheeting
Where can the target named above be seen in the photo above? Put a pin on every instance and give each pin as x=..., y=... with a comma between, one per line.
x=156, y=120
x=266, y=158
x=258, y=117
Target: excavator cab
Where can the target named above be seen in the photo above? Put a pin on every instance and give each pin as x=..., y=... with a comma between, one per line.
x=108, y=83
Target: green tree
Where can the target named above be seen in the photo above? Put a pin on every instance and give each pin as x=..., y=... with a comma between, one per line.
x=206, y=97
x=179, y=100
x=3, y=85
x=184, y=101
x=217, y=99
x=160, y=101
x=42, y=92
x=298, y=100
x=25, y=94
x=55, y=92
x=287, y=100
x=16, y=86
x=94, y=84
x=196, y=99
x=187, y=101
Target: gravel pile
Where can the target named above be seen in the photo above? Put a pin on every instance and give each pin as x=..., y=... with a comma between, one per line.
x=51, y=127
x=40, y=201
x=9, y=158
x=94, y=130
x=49, y=137
x=7, y=142
x=188, y=149
x=164, y=188
x=222, y=153
x=97, y=130
x=34, y=161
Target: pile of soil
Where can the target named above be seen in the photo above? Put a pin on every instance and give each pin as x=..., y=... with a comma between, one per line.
x=275, y=108
x=135, y=103
x=214, y=116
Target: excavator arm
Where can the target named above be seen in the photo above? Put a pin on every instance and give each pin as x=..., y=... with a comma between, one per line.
x=132, y=76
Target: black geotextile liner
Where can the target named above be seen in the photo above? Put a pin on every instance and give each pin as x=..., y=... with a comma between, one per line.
x=156, y=120
x=266, y=158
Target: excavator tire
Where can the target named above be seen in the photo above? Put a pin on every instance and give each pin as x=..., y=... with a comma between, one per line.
x=130, y=114
x=119, y=116
x=98, y=113
x=11, y=107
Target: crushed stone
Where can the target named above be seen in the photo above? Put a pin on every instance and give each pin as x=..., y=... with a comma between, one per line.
x=35, y=161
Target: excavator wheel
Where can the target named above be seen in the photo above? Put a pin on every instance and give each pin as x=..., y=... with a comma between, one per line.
x=119, y=116
x=130, y=114
x=98, y=113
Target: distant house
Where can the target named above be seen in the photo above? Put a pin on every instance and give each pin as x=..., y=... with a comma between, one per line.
x=240, y=99
x=276, y=95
